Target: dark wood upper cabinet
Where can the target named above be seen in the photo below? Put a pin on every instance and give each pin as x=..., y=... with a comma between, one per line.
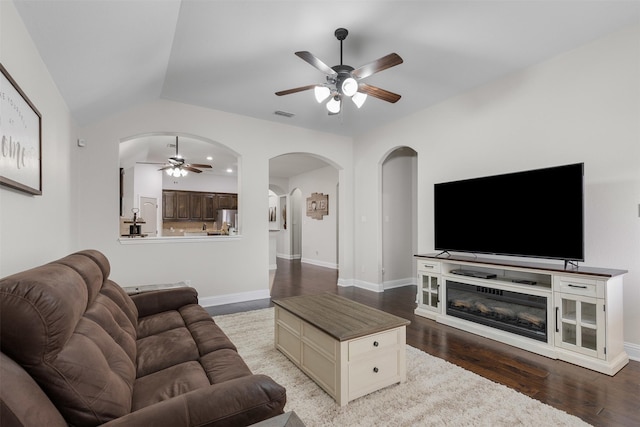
x=169, y=211
x=182, y=205
x=209, y=207
x=227, y=201
x=195, y=205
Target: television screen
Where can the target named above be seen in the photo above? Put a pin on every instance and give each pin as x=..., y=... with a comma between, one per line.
x=536, y=213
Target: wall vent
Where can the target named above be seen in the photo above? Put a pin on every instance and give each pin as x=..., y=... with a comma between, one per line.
x=283, y=113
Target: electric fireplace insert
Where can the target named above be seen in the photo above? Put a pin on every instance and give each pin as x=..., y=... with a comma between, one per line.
x=514, y=312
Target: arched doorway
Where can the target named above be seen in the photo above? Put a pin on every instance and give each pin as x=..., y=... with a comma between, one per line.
x=399, y=228
x=311, y=239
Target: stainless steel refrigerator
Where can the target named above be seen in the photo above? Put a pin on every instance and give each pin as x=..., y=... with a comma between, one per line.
x=230, y=216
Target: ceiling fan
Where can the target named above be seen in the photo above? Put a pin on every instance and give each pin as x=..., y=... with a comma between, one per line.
x=344, y=81
x=177, y=167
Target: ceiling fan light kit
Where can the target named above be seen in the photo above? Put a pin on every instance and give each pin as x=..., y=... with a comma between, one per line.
x=178, y=168
x=343, y=80
x=321, y=93
x=177, y=172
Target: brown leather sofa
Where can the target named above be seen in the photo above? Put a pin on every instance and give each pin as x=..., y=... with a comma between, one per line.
x=77, y=350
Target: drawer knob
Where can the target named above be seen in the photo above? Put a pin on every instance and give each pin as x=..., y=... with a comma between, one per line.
x=375, y=344
x=375, y=370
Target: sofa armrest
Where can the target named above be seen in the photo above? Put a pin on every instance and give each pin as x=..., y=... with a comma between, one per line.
x=153, y=302
x=238, y=402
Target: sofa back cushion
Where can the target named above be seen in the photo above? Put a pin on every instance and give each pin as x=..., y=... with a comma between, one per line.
x=74, y=331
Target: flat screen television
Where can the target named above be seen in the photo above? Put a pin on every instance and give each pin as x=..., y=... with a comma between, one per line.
x=535, y=213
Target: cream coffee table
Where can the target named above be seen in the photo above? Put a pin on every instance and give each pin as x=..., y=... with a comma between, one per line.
x=347, y=348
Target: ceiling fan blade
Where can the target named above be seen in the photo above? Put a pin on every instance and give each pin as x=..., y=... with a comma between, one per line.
x=380, y=64
x=376, y=92
x=151, y=163
x=298, y=89
x=189, y=168
x=198, y=165
x=308, y=57
x=166, y=167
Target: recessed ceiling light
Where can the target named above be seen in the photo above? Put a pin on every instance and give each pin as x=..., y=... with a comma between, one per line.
x=209, y=158
x=229, y=170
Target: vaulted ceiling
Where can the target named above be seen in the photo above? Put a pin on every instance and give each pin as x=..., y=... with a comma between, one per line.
x=106, y=56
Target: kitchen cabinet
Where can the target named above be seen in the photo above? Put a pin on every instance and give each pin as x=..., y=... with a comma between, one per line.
x=195, y=205
x=176, y=206
x=209, y=207
x=227, y=201
x=182, y=206
x=169, y=205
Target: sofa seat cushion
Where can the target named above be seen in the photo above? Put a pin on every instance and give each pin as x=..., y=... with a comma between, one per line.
x=168, y=383
x=158, y=323
x=177, y=336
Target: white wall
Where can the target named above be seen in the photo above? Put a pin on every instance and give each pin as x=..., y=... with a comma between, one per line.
x=201, y=182
x=218, y=268
x=581, y=106
x=318, y=236
x=37, y=229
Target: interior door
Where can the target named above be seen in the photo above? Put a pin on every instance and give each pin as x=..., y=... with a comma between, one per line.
x=149, y=212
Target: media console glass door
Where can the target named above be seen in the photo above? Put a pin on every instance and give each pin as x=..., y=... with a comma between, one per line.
x=578, y=321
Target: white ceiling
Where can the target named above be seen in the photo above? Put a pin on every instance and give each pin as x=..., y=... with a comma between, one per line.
x=109, y=55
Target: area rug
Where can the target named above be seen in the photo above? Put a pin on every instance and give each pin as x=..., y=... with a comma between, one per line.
x=437, y=393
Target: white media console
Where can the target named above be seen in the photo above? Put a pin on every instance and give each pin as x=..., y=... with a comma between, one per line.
x=571, y=314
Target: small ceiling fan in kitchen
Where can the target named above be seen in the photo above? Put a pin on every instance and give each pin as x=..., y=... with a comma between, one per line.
x=344, y=81
x=176, y=165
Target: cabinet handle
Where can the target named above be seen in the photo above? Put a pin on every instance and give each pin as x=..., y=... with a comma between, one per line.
x=427, y=266
x=375, y=370
x=576, y=286
x=557, y=329
x=375, y=343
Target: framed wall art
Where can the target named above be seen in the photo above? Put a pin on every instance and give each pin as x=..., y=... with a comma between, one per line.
x=318, y=205
x=21, y=133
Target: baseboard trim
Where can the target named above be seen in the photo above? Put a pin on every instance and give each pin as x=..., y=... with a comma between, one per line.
x=288, y=256
x=234, y=298
x=376, y=287
x=320, y=263
x=369, y=286
x=633, y=351
x=399, y=283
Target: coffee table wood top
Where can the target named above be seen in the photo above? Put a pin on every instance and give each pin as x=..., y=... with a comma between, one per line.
x=340, y=317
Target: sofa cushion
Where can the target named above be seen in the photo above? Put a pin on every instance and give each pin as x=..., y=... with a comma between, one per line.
x=168, y=383
x=157, y=323
x=160, y=351
x=224, y=365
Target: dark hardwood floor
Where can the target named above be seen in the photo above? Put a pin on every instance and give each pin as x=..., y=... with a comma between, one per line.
x=596, y=398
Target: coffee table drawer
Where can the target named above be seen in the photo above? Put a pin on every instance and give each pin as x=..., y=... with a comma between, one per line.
x=372, y=374
x=373, y=344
